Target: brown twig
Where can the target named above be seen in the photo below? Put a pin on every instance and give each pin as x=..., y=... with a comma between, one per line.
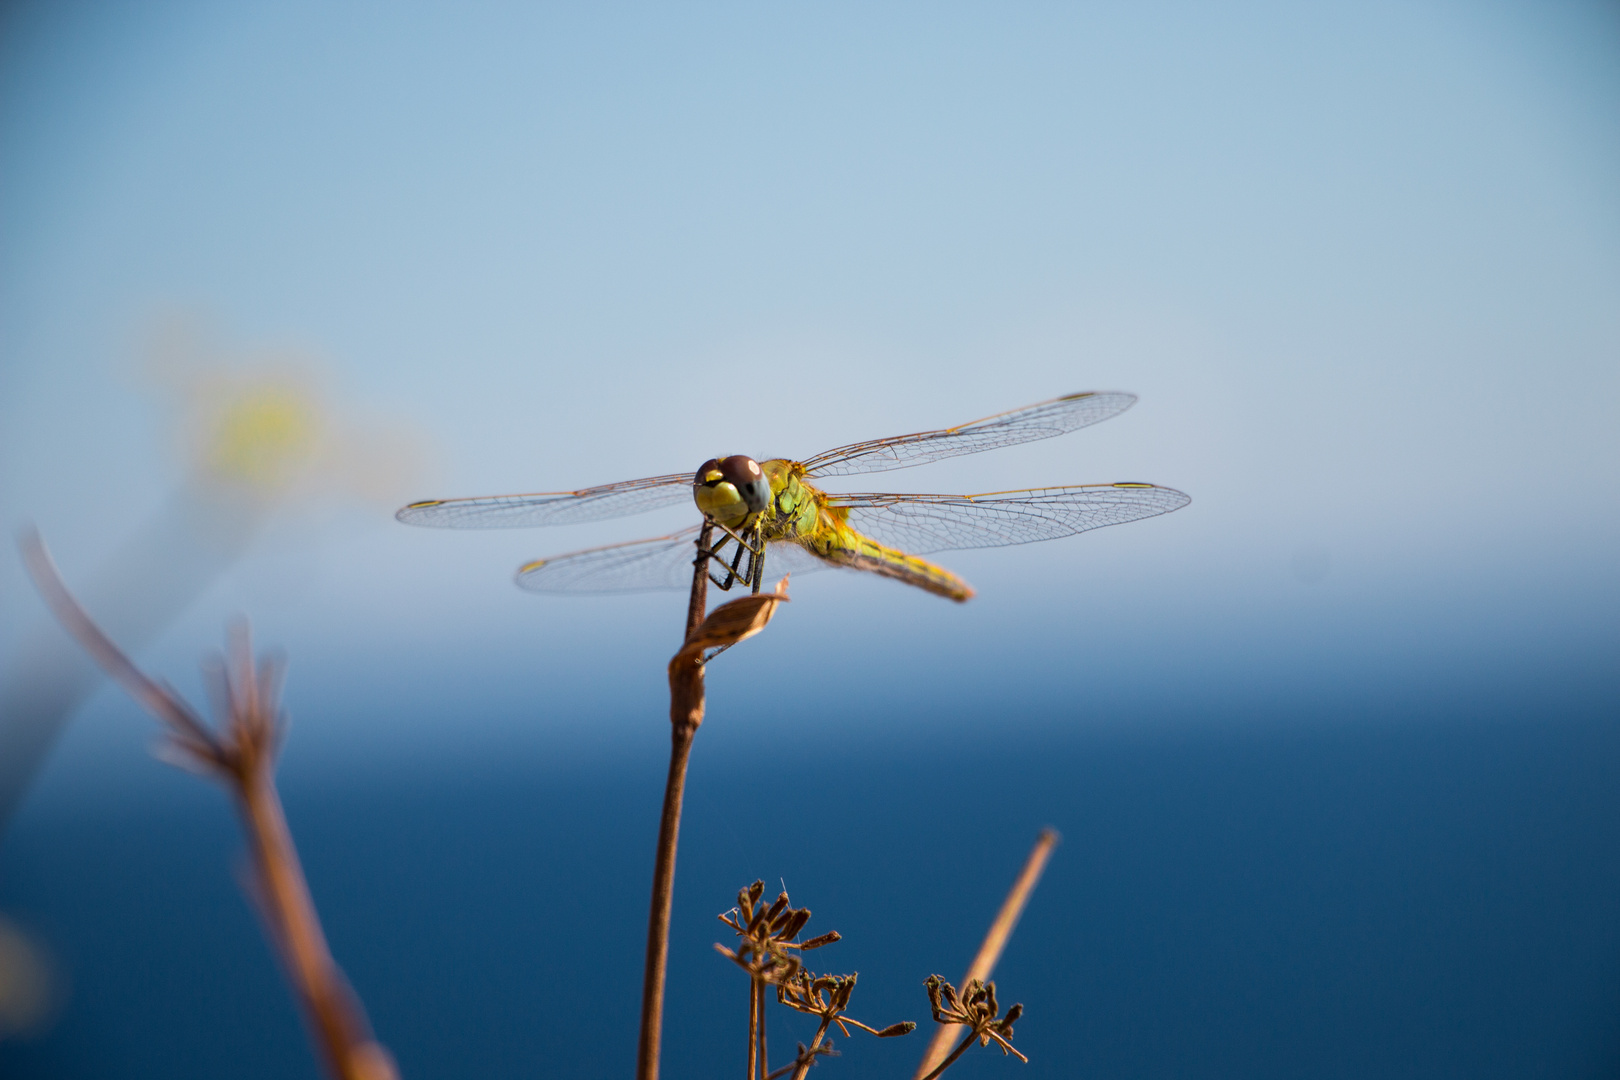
x=725, y=626
x=240, y=753
x=756, y=1028
x=949, y=1060
x=699, y=601
x=686, y=699
x=807, y=1054
x=994, y=942
x=686, y=702
x=805, y=1058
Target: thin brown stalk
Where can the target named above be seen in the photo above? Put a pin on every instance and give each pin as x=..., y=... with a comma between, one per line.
x=241, y=755
x=821, y=1032
x=686, y=701
x=700, y=581
x=947, y=1062
x=721, y=628
x=759, y=994
x=327, y=999
x=754, y=1004
x=994, y=942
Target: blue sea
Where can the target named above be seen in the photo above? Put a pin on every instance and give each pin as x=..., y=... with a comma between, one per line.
x=1343, y=886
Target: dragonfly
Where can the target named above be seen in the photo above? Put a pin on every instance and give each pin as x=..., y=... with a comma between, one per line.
x=776, y=511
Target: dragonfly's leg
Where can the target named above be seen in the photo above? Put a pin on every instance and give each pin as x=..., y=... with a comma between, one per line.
x=736, y=560
x=744, y=545
x=755, y=546
x=756, y=562
x=717, y=553
x=732, y=577
x=739, y=538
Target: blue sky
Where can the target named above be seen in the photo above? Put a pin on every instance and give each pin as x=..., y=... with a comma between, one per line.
x=1360, y=261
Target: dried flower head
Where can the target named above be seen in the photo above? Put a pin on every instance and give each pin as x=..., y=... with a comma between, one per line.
x=767, y=950
x=827, y=996
x=976, y=1008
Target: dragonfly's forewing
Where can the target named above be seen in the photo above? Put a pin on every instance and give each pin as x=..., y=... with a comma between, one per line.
x=664, y=562
x=923, y=523
x=551, y=507
x=1042, y=421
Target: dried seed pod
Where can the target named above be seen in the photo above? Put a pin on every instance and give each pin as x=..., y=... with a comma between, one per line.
x=794, y=924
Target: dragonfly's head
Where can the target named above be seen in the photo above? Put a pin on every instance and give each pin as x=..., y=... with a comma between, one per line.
x=731, y=490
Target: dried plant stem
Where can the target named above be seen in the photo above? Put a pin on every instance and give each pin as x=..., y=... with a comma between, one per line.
x=763, y=1058
x=287, y=907
x=241, y=755
x=720, y=629
x=686, y=700
x=961, y=1048
x=700, y=581
x=821, y=1032
x=669, y=827
x=989, y=952
x=754, y=1009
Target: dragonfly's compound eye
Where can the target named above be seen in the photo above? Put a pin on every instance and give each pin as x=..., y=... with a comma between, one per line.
x=731, y=490
x=708, y=474
x=748, y=478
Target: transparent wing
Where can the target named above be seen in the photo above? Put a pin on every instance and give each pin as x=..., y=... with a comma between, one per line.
x=785, y=557
x=922, y=523
x=1042, y=421
x=551, y=507
x=664, y=562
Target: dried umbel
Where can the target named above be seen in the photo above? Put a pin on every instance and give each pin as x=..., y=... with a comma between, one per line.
x=767, y=950
x=769, y=954
x=827, y=996
x=975, y=1008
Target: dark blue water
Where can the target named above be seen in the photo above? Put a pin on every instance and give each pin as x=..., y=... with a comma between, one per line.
x=1429, y=892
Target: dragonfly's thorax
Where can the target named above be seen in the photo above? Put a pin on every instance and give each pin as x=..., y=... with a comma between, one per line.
x=796, y=505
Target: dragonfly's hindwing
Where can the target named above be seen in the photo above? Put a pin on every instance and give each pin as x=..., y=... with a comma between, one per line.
x=924, y=523
x=664, y=562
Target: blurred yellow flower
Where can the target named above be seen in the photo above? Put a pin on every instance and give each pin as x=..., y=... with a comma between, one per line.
x=265, y=434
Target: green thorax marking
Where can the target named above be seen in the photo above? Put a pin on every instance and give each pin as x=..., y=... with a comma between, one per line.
x=797, y=508
x=799, y=512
